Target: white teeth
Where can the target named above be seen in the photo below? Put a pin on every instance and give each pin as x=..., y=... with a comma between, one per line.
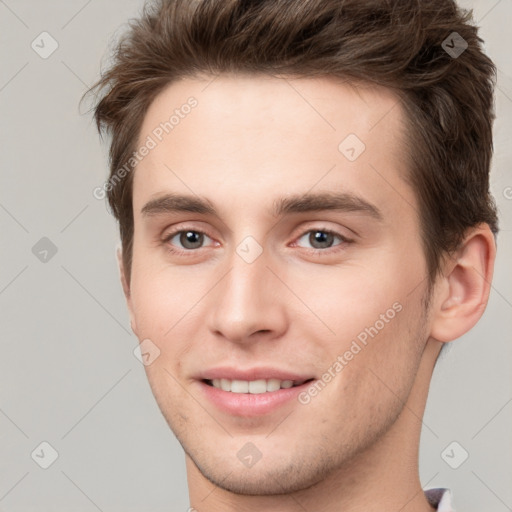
x=254, y=386
x=239, y=386
x=225, y=384
x=273, y=384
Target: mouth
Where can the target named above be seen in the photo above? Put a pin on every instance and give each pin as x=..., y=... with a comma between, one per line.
x=254, y=387
x=252, y=398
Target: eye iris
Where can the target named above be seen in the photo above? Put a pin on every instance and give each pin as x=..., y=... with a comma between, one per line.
x=191, y=237
x=321, y=237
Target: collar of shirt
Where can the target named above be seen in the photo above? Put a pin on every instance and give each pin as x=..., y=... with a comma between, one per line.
x=440, y=498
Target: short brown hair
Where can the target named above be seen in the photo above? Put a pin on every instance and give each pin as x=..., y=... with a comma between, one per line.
x=400, y=44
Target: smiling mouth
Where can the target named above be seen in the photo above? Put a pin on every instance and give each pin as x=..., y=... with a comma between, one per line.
x=254, y=386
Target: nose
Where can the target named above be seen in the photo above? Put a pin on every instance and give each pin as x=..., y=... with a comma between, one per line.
x=248, y=303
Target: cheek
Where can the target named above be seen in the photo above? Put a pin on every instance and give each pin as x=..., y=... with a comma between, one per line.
x=162, y=297
x=393, y=352
x=353, y=300
x=378, y=372
x=376, y=315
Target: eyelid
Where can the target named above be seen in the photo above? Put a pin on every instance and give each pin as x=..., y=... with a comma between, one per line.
x=322, y=225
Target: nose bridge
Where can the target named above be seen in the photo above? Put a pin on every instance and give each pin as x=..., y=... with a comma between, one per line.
x=245, y=301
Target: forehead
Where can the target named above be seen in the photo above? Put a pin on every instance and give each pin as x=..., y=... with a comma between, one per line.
x=262, y=134
x=316, y=106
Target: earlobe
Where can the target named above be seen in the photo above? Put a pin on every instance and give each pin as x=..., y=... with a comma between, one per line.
x=465, y=286
x=126, y=289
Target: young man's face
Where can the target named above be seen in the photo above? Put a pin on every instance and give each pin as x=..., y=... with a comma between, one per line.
x=282, y=296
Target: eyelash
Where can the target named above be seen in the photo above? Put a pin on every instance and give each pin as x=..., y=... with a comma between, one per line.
x=343, y=240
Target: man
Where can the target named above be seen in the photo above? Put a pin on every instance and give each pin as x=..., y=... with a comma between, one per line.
x=302, y=188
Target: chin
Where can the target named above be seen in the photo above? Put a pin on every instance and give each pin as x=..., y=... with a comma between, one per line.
x=260, y=482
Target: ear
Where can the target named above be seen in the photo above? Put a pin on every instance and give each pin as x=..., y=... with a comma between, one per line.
x=126, y=289
x=463, y=291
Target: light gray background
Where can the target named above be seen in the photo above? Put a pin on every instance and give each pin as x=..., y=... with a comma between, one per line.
x=68, y=373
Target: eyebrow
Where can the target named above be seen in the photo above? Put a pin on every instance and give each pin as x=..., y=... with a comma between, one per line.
x=299, y=203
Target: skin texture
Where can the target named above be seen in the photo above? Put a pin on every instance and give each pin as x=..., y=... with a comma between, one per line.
x=249, y=141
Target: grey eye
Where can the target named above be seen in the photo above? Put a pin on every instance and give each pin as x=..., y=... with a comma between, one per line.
x=321, y=239
x=189, y=239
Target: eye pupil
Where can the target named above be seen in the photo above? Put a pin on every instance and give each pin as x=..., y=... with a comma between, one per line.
x=321, y=237
x=191, y=237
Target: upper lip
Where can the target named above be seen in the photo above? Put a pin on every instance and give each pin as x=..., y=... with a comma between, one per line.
x=249, y=374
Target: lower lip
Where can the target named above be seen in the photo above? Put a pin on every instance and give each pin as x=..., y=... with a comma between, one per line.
x=248, y=404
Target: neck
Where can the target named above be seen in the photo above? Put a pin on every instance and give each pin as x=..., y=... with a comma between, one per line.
x=383, y=477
